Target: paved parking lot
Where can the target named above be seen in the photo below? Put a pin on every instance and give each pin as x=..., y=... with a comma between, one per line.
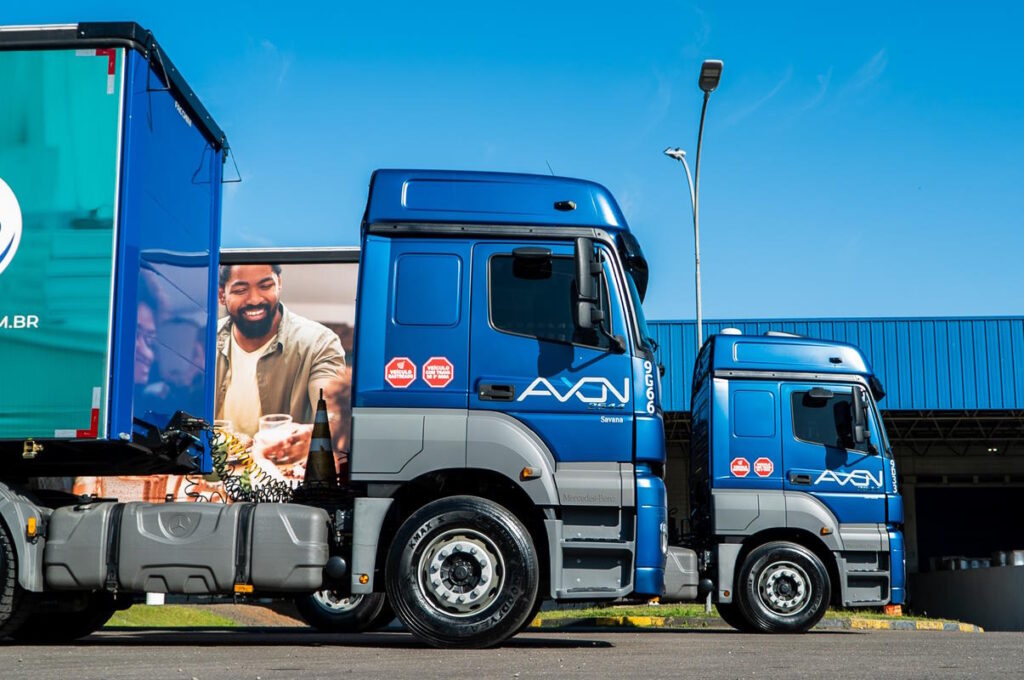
x=271, y=655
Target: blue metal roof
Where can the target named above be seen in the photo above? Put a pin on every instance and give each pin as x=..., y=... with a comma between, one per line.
x=924, y=364
x=463, y=197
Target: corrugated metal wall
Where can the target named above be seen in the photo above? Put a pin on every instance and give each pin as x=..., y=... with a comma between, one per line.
x=954, y=364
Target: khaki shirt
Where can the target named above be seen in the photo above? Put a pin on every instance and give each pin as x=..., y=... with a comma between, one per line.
x=303, y=357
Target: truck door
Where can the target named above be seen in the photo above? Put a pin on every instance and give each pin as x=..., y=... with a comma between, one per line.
x=754, y=459
x=529, y=360
x=821, y=458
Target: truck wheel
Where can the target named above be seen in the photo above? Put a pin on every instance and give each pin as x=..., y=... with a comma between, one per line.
x=783, y=588
x=730, y=613
x=538, y=603
x=330, y=612
x=15, y=603
x=66, y=618
x=462, y=572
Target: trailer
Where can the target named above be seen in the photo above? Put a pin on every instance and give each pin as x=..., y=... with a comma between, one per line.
x=110, y=191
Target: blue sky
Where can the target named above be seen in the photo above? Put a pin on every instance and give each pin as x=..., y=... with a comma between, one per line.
x=859, y=159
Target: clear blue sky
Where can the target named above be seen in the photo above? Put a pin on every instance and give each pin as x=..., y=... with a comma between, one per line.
x=860, y=159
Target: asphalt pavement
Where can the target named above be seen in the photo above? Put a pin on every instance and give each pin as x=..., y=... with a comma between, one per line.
x=300, y=653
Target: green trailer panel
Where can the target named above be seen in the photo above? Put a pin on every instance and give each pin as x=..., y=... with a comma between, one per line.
x=60, y=129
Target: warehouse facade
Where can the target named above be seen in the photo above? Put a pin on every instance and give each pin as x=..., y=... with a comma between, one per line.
x=954, y=412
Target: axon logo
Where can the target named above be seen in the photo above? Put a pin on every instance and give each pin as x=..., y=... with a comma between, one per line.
x=599, y=392
x=10, y=225
x=862, y=479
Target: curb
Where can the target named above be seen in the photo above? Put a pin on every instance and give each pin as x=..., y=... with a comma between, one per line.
x=680, y=622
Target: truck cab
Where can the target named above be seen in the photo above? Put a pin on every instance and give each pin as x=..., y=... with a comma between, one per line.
x=506, y=421
x=795, y=502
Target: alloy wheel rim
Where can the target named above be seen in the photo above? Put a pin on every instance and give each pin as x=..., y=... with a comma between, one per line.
x=329, y=599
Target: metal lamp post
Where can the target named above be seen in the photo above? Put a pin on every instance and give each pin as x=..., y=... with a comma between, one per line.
x=710, y=74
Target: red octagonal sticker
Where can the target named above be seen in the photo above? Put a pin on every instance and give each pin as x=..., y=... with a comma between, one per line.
x=400, y=372
x=739, y=467
x=438, y=372
x=764, y=467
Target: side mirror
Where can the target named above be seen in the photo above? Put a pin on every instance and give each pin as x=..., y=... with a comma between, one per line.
x=861, y=431
x=588, y=315
x=586, y=266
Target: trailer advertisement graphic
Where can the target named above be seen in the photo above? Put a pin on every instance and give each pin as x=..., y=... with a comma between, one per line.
x=58, y=188
x=10, y=225
x=275, y=430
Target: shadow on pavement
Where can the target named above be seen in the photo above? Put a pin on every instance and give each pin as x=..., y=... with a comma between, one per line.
x=275, y=637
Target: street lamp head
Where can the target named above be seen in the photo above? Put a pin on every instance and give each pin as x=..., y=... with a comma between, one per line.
x=710, y=74
x=676, y=153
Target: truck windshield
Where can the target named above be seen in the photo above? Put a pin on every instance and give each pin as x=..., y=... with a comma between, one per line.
x=641, y=320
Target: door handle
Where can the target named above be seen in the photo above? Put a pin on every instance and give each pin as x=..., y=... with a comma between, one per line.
x=799, y=478
x=496, y=392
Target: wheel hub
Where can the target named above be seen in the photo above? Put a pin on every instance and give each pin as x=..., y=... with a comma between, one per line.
x=330, y=599
x=784, y=588
x=461, y=572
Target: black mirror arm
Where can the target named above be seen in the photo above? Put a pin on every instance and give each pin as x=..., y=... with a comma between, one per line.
x=617, y=344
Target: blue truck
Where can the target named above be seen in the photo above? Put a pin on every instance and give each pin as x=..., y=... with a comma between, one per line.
x=507, y=441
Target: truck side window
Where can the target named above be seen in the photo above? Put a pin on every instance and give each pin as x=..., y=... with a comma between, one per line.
x=825, y=421
x=536, y=298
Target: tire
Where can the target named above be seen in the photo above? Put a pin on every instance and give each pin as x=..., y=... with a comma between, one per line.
x=537, y=604
x=462, y=572
x=66, y=618
x=730, y=613
x=385, y=616
x=329, y=612
x=15, y=603
x=783, y=588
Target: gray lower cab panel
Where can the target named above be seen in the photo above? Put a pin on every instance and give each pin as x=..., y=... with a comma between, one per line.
x=592, y=544
x=189, y=548
x=405, y=443
x=863, y=564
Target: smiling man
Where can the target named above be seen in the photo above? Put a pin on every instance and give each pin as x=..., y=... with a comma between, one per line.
x=269, y=360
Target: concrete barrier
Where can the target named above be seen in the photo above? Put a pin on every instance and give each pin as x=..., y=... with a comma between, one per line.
x=992, y=598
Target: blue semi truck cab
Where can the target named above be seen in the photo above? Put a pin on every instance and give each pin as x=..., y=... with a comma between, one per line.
x=504, y=372
x=793, y=484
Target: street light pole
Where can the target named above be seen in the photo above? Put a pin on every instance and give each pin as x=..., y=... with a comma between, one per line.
x=680, y=156
x=710, y=74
